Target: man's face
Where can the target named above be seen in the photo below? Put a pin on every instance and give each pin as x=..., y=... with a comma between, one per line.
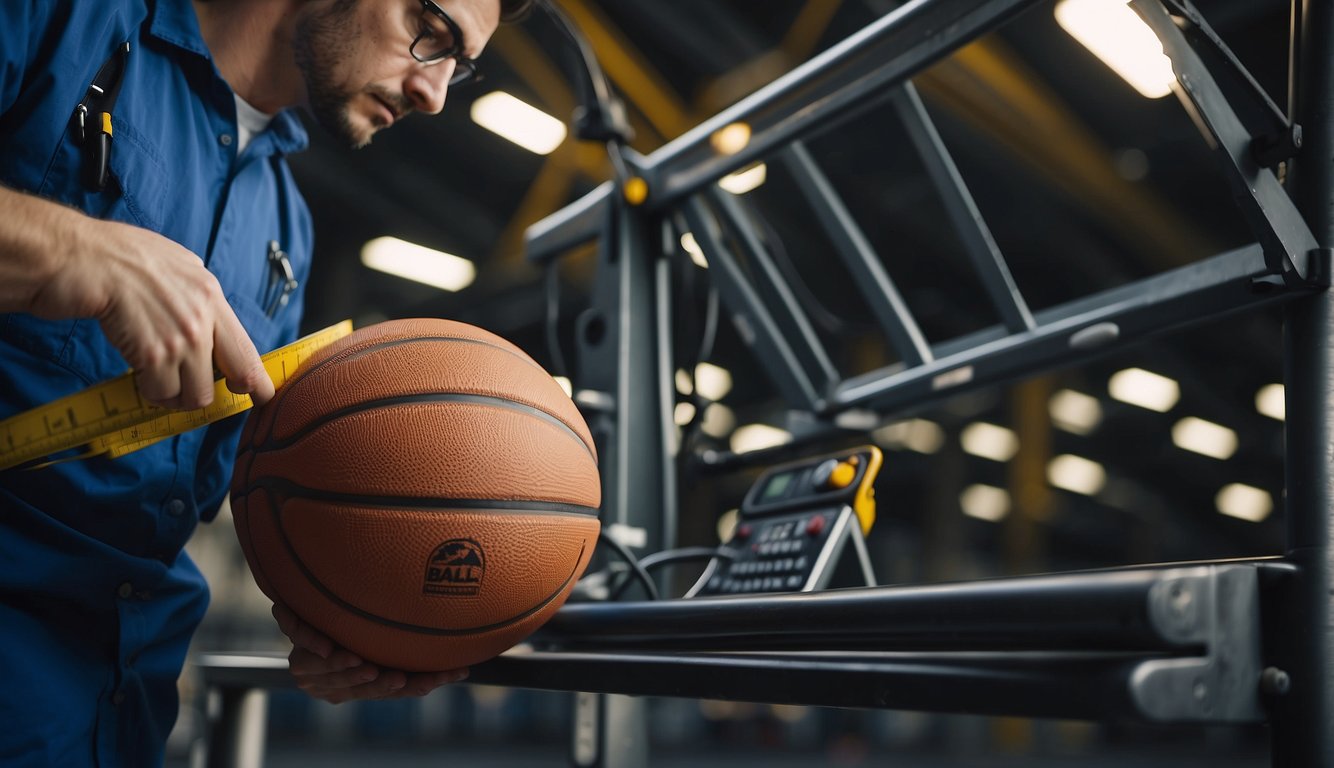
x=360, y=76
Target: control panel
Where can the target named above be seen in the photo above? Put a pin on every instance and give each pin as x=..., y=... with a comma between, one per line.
x=796, y=523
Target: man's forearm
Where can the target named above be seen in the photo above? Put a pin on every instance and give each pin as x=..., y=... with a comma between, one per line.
x=36, y=238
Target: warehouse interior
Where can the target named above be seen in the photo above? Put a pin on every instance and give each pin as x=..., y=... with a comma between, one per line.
x=1165, y=450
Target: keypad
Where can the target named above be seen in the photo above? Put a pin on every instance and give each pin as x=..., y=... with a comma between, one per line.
x=774, y=555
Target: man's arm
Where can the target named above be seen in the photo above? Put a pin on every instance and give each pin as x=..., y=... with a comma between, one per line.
x=155, y=300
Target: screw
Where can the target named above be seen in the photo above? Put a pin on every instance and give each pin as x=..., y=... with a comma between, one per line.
x=1275, y=681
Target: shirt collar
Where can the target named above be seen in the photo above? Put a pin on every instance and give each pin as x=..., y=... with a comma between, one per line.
x=175, y=22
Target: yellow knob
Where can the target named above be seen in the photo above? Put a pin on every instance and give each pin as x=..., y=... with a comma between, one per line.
x=635, y=191
x=843, y=475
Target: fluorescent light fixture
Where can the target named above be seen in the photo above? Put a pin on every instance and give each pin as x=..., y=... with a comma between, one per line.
x=1116, y=34
x=691, y=246
x=917, y=435
x=719, y=421
x=1145, y=389
x=684, y=413
x=731, y=138
x=713, y=382
x=1244, y=502
x=754, y=437
x=745, y=180
x=1074, y=411
x=1076, y=473
x=1204, y=437
x=1270, y=401
x=565, y=385
x=985, y=502
x=521, y=123
x=684, y=385
x=989, y=441
x=414, y=262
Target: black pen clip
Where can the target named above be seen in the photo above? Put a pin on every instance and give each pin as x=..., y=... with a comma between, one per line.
x=93, y=115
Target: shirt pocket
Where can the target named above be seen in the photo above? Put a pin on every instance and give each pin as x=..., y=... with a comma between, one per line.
x=264, y=331
x=137, y=191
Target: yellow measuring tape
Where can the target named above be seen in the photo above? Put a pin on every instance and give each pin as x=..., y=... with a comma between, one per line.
x=110, y=418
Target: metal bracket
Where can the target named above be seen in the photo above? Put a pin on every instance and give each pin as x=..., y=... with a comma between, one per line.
x=1218, y=610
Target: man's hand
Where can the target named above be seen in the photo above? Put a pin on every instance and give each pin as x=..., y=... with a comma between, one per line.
x=156, y=302
x=336, y=675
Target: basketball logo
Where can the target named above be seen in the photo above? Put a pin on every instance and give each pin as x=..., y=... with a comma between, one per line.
x=455, y=568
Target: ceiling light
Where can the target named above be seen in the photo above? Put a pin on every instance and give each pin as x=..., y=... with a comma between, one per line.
x=521, y=123
x=565, y=385
x=743, y=181
x=1244, y=502
x=1116, y=34
x=691, y=246
x=684, y=384
x=985, y=502
x=989, y=441
x=1204, y=437
x=731, y=138
x=1075, y=411
x=712, y=382
x=684, y=413
x=1145, y=389
x=1270, y=401
x=917, y=435
x=414, y=262
x=755, y=437
x=719, y=421
x=1075, y=473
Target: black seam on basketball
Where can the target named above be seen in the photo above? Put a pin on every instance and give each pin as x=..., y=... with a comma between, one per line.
x=352, y=354
x=362, y=613
x=425, y=397
x=290, y=489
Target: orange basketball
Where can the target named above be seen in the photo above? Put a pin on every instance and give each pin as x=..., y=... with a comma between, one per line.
x=420, y=491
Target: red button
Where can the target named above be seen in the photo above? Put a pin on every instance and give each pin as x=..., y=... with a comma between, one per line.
x=743, y=532
x=815, y=525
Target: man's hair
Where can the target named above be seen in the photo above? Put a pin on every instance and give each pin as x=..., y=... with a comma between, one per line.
x=516, y=10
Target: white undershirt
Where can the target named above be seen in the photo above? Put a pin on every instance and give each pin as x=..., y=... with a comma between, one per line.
x=249, y=123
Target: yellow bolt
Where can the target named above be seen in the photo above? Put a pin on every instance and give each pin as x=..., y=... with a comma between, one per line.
x=635, y=191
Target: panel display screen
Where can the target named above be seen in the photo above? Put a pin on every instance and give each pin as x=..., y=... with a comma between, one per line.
x=776, y=486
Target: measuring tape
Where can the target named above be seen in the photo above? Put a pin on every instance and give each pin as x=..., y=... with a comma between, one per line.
x=110, y=418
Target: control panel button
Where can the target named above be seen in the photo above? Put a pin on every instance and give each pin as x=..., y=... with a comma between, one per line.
x=815, y=526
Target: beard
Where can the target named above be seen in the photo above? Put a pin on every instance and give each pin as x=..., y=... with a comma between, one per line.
x=321, y=41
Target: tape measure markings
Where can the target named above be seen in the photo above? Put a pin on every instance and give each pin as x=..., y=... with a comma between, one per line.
x=110, y=417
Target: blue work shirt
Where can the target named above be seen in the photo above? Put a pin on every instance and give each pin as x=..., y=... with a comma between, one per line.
x=97, y=599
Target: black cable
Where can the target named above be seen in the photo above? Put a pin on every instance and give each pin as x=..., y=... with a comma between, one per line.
x=683, y=555
x=644, y=579
x=672, y=556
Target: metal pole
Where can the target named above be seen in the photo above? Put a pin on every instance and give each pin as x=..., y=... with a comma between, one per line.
x=236, y=731
x=1302, y=636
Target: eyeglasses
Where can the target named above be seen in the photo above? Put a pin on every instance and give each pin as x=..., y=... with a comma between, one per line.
x=440, y=38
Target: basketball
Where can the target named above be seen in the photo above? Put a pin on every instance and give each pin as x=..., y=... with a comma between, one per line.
x=421, y=491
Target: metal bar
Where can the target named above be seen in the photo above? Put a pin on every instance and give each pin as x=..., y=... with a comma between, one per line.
x=789, y=316
x=868, y=273
x=575, y=224
x=1110, y=610
x=1272, y=217
x=1067, y=686
x=964, y=215
x=754, y=323
x=830, y=86
x=1066, y=334
x=1302, y=637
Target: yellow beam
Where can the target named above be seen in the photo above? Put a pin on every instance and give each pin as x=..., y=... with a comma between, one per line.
x=807, y=29
x=642, y=85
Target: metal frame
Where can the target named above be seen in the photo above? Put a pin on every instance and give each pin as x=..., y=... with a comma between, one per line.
x=1243, y=641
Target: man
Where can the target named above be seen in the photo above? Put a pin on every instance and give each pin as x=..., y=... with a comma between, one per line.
x=158, y=239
